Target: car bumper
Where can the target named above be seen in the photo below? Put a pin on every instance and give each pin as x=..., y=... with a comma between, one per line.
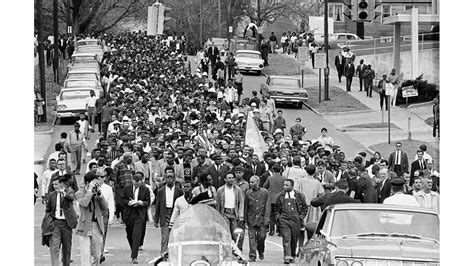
x=288, y=99
x=249, y=68
x=69, y=113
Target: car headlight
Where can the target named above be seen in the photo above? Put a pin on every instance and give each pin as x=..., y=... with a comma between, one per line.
x=62, y=106
x=342, y=263
x=357, y=263
x=260, y=66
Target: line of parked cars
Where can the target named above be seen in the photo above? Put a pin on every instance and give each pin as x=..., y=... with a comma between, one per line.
x=83, y=75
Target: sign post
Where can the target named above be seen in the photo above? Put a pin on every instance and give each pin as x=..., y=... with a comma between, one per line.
x=389, y=90
x=319, y=63
x=303, y=56
x=409, y=91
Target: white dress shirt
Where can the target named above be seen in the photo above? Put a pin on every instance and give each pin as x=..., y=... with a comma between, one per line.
x=401, y=199
x=108, y=194
x=46, y=179
x=229, y=197
x=169, y=196
x=290, y=195
x=59, y=213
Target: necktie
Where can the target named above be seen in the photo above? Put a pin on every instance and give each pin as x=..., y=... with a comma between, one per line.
x=396, y=158
x=60, y=204
x=77, y=135
x=254, y=169
x=421, y=164
x=288, y=195
x=218, y=168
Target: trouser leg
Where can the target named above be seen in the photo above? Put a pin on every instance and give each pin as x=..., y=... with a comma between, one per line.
x=55, y=245
x=66, y=243
x=272, y=218
x=165, y=232
x=261, y=235
x=252, y=242
x=361, y=83
x=85, y=243
x=285, y=230
x=96, y=243
x=137, y=233
x=106, y=227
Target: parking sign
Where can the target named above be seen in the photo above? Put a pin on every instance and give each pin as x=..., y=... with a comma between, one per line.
x=303, y=53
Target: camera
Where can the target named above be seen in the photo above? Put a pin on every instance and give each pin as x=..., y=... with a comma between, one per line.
x=96, y=188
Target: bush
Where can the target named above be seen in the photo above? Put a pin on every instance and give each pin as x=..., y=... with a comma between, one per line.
x=426, y=91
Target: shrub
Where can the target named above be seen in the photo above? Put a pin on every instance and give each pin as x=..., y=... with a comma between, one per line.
x=426, y=91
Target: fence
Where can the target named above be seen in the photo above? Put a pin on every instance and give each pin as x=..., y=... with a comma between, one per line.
x=385, y=44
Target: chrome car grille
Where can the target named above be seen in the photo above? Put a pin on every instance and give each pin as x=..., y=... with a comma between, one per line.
x=375, y=262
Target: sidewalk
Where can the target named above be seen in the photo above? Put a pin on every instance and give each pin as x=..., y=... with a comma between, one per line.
x=42, y=139
x=398, y=116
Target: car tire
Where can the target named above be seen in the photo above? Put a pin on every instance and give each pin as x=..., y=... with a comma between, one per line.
x=259, y=72
x=299, y=105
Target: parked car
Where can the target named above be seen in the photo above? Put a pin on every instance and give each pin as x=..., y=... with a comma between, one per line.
x=71, y=102
x=337, y=40
x=88, y=42
x=248, y=61
x=283, y=89
x=78, y=58
x=374, y=234
x=82, y=74
x=83, y=83
x=242, y=44
x=221, y=44
x=85, y=67
x=94, y=49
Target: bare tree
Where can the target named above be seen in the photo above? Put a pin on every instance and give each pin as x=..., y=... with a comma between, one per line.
x=299, y=13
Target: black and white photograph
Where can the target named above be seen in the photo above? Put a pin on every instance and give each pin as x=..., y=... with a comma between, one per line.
x=238, y=132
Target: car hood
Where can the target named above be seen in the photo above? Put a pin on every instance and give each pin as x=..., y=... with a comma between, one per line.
x=394, y=248
x=73, y=104
x=249, y=60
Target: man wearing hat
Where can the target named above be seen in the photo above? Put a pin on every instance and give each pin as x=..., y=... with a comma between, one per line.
x=398, y=194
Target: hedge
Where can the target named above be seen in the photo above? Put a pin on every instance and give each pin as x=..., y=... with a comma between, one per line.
x=426, y=91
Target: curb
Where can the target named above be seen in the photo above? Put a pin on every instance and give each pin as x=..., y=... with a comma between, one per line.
x=347, y=129
x=351, y=112
x=312, y=109
x=415, y=105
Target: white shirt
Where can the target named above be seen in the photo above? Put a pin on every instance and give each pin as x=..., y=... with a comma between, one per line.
x=398, y=157
x=179, y=207
x=59, y=213
x=83, y=126
x=402, y=199
x=108, y=194
x=169, y=196
x=229, y=197
x=325, y=140
x=291, y=195
x=54, y=155
x=426, y=157
x=46, y=179
x=135, y=193
x=91, y=101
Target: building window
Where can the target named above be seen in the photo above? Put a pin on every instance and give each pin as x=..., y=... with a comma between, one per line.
x=335, y=11
x=408, y=7
x=386, y=11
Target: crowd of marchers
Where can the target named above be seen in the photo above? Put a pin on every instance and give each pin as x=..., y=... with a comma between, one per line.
x=169, y=138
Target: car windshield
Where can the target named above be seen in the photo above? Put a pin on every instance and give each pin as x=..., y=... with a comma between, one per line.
x=248, y=55
x=285, y=82
x=83, y=58
x=385, y=223
x=199, y=230
x=75, y=95
x=92, y=42
x=81, y=76
x=80, y=83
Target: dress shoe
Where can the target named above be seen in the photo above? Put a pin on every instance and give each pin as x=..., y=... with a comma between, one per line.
x=292, y=260
x=135, y=261
x=271, y=233
x=102, y=259
x=252, y=260
x=140, y=248
x=261, y=256
x=286, y=261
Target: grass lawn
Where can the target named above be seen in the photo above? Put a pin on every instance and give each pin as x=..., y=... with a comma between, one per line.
x=339, y=101
x=52, y=90
x=410, y=147
x=373, y=125
x=283, y=65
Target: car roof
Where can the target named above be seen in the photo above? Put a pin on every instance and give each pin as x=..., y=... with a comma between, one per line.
x=83, y=54
x=88, y=40
x=283, y=77
x=378, y=206
x=78, y=89
x=248, y=51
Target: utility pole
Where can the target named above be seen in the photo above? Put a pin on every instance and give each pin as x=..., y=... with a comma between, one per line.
x=200, y=23
x=326, y=45
x=229, y=22
x=219, y=17
x=56, y=42
x=258, y=24
x=39, y=6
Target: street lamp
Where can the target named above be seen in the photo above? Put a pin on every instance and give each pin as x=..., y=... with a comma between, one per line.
x=326, y=45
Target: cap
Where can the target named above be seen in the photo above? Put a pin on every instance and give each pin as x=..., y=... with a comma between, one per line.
x=204, y=73
x=398, y=181
x=240, y=115
x=298, y=119
x=253, y=104
x=239, y=168
x=363, y=154
x=256, y=111
x=278, y=131
x=228, y=121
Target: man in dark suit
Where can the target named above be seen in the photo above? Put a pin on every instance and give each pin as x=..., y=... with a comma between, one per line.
x=360, y=73
x=62, y=171
x=64, y=220
x=212, y=53
x=257, y=167
x=164, y=204
x=136, y=199
x=274, y=185
x=217, y=170
x=340, y=62
x=349, y=71
x=398, y=160
x=419, y=164
x=383, y=186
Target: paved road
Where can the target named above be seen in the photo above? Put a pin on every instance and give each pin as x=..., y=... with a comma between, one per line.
x=119, y=251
